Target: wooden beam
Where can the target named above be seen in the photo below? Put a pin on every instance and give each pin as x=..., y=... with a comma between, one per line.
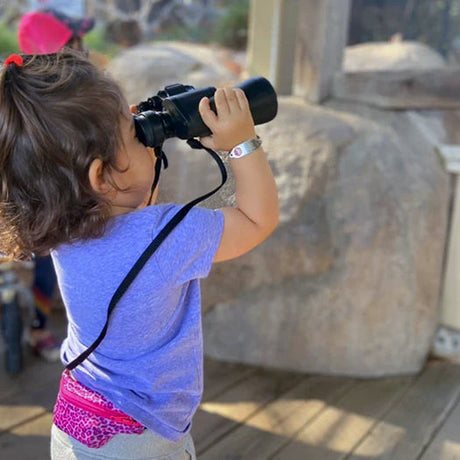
x=450, y=299
x=404, y=89
x=272, y=39
x=322, y=37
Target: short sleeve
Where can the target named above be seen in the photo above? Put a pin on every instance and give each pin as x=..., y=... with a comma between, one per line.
x=187, y=253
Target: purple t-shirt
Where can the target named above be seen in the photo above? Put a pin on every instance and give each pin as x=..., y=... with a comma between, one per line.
x=150, y=362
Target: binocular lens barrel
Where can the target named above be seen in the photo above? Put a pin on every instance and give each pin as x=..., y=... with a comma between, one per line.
x=180, y=116
x=262, y=99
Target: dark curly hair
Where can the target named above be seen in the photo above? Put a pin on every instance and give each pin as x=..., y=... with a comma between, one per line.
x=57, y=114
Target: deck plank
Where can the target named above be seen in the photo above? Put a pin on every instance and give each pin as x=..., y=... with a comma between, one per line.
x=407, y=429
x=446, y=444
x=22, y=407
x=35, y=373
x=219, y=376
x=264, y=433
x=342, y=425
x=249, y=413
x=217, y=417
x=29, y=441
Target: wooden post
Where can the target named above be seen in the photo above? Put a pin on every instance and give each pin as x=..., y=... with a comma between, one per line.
x=322, y=37
x=272, y=41
x=450, y=299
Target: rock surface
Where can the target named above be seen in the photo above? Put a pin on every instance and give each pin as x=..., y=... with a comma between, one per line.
x=404, y=55
x=143, y=70
x=415, y=89
x=349, y=282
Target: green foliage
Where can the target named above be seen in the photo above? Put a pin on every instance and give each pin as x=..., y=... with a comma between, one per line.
x=96, y=40
x=8, y=41
x=186, y=34
x=232, y=29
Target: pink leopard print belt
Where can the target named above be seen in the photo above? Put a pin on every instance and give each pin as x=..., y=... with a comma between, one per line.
x=89, y=417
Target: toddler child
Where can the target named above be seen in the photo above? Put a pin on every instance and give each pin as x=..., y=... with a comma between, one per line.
x=76, y=180
x=42, y=32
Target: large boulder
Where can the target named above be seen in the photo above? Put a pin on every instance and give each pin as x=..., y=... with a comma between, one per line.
x=349, y=282
x=397, y=76
x=143, y=70
x=398, y=55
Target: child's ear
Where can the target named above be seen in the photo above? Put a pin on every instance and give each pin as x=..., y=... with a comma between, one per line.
x=97, y=177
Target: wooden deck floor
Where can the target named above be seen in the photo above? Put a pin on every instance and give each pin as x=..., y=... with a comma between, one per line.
x=251, y=413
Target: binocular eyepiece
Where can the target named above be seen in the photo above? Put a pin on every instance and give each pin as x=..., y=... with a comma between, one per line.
x=173, y=111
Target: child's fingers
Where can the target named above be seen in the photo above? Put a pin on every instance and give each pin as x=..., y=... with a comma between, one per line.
x=221, y=102
x=231, y=99
x=208, y=141
x=208, y=116
x=242, y=99
x=132, y=108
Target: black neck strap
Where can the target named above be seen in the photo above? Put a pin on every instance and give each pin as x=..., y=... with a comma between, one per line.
x=153, y=246
x=161, y=159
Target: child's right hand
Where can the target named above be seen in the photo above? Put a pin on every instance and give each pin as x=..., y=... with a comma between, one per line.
x=255, y=215
x=233, y=123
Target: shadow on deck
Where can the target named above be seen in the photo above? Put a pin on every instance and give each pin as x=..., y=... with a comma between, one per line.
x=252, y=413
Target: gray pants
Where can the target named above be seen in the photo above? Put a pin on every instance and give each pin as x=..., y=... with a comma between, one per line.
x=145, y=446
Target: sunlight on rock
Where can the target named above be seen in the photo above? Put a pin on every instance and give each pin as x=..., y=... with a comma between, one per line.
x=450, y=450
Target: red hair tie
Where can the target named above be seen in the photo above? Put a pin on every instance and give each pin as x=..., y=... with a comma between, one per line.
x=14, y=59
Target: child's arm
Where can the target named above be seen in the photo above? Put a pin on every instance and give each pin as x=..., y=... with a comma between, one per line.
x=256, y=214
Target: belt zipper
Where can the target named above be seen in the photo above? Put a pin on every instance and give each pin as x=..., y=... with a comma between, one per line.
x=94, y=408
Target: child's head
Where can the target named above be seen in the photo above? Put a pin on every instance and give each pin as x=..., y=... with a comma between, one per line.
x=58, y=114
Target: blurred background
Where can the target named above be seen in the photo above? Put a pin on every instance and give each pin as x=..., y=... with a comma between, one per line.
x=128, y=22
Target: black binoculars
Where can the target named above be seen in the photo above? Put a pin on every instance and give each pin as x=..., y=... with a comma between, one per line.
x=173, y=111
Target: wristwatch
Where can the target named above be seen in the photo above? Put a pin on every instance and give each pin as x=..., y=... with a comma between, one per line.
x=245, y=148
